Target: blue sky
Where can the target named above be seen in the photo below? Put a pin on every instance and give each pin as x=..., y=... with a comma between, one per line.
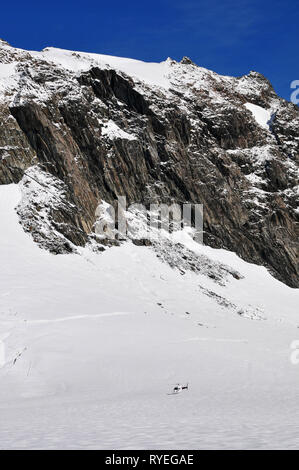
x=229, y=36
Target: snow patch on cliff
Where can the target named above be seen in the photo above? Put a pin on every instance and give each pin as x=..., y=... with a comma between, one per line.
x=111, y=130
x=261, y=115
x=7, y=75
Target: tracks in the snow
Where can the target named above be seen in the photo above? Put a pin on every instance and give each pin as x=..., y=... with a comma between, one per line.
x=75, y=317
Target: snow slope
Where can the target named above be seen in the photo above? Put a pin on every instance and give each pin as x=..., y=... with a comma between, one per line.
x=93, y=344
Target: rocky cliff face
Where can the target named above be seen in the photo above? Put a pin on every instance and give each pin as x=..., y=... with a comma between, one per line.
x=77, y=129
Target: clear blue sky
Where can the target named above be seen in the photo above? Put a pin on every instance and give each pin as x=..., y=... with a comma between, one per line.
x=229, y=36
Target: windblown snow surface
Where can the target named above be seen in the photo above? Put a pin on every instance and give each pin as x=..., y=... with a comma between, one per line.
x=95, y=342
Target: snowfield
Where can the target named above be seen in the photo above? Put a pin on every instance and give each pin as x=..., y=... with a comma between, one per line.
x=93, y=343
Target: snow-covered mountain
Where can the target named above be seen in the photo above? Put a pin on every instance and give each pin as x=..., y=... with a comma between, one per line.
x=96, y=127
x=93, y=340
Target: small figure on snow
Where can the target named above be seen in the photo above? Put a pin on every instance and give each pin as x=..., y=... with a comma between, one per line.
x=179, y=388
